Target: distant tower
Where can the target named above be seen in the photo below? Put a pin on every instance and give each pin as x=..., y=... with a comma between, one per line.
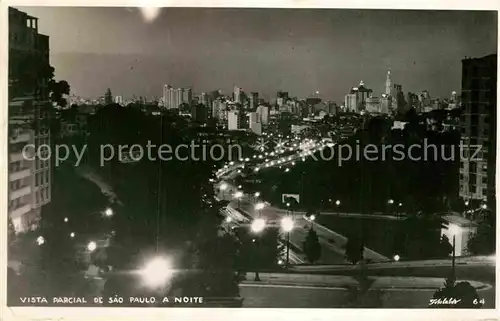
x=388, y=83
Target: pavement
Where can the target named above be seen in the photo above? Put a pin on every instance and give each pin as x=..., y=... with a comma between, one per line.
x=344, y=282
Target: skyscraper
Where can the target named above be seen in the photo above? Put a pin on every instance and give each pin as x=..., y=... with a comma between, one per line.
x=174, y=97
x=263, y=112
x=254, y=100
x=237, y=94
x=29, y=107
x=479, y=89
x=355, y=101
x=388, y=83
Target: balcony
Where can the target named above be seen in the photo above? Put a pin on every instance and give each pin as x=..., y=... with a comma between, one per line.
x=20, y=174
x=21, y=138
x=19, y=211
x=25, y=190
x=16, y=156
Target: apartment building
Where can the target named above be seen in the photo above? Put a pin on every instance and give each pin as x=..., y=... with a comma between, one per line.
x=478, y=124
x=29, y=106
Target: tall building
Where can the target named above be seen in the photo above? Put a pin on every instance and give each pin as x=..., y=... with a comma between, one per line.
x=388, y=83
x=255, y=124
x=373, y=105
x=219, y=111
x=237, y=94
x=119, y=100
x=29, y=107
x=398, y=98
x=254, y=100
x=479, y=98
x=355, y=101
x=233, y=120
x=263, y=112
x=351, y=102
x=174, y=97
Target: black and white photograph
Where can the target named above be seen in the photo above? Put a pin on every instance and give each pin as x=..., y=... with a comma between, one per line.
x=189, y=157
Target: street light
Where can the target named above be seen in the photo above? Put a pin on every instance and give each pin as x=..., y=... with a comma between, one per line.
x=287, y=225
x=157, y=272
x=66, y=220
x=391, y=201
x=396, y=258
x=108, y=212
x=484, y=206
x=40, y=240
x=72, y=235
x=258, y=225
x=92, y=246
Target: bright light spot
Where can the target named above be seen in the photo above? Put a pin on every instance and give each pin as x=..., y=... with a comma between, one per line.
x=228, y=219
x=287, y=170
x=484, y=206
x=72, y=235
x=312, y=217
x=396, y=257
x=66, y=219
x=231, y=163
x=258, y=225
x=223, y=186
x=238, y=194
x=157, y=272
x=260, y=156
x=247, y=159
x=400, y=204
x=256, y=194
x=256, y=169
x=108, y=212
x=466, y=203
x=280, y=262
x=391, y=201
x=337, y=203
x=239, y=186
x=259, y=206
x=293, y=163
x=40, y=240
x=92, y=246
x=150, y=13
x=287, y=224
x=239, y=170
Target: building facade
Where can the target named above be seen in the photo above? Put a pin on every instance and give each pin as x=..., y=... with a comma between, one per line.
x=29, y=109
x=478, y=124
x=174, y=97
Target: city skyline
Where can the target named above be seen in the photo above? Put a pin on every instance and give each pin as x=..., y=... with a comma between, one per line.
x=299, y=51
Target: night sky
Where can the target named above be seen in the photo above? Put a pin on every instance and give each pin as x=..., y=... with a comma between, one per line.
x=264, y=50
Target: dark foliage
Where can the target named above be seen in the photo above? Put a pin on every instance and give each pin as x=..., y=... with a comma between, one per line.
x=311, y=246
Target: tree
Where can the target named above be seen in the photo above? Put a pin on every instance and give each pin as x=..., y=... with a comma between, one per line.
x=108, y=97
x=354, y=249
x=57, y=91
x=311, y=246
x=463, y=292
x=483, y=241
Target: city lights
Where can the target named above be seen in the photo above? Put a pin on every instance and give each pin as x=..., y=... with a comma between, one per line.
x=92, y=246
x=238, y=194
x=40, y=240
x=337, y=202
x=287, y=224
x=157, y=272
x=72, y=235
x=258, y=225
x=396, y=258
x=259, y=206
x=256, y=194
x=108, y=212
